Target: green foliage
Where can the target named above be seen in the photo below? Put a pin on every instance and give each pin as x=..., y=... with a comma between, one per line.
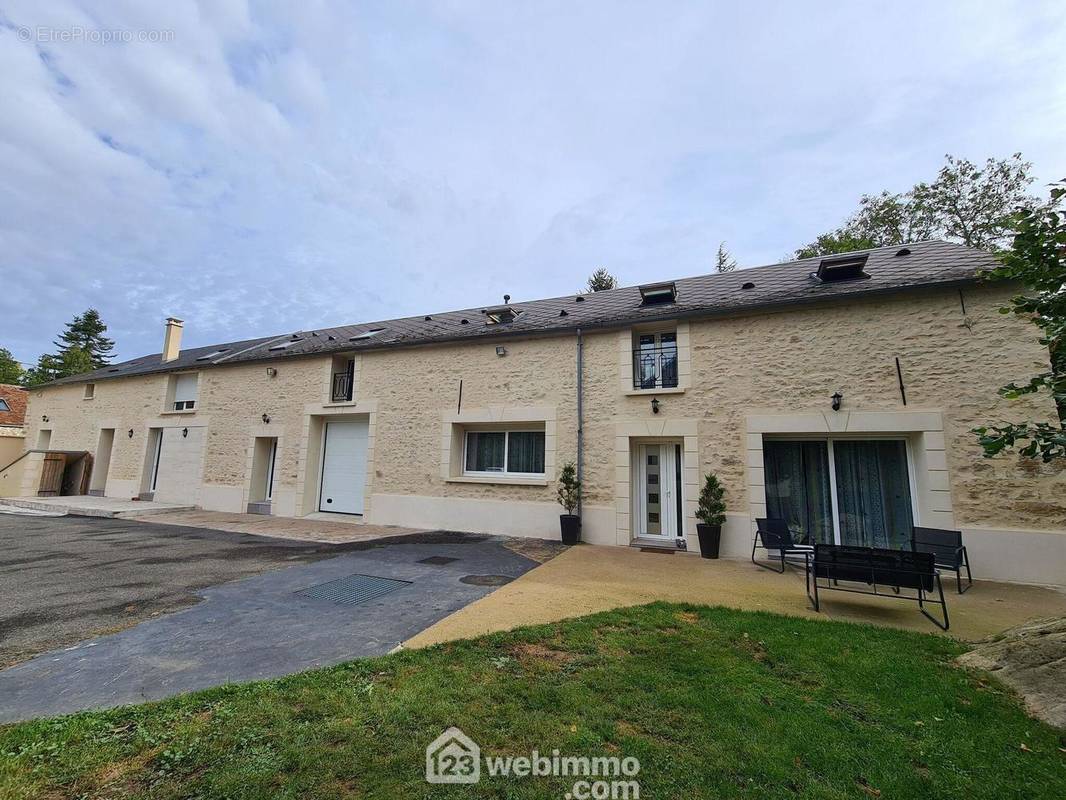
x=86, y=332
x=966, y=203
x=569, y=492
x=1037, y=260
x=600, y=281
x=723, y=260
x=711, y=508
x=73, y=361
x=715, y=703
x=11, y=371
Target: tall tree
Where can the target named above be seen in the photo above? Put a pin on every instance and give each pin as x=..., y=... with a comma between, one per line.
x=86, y=333
x=1037, y=259
x=11, y=371
x=601, y=280
x=965, y=203
x=723, y=260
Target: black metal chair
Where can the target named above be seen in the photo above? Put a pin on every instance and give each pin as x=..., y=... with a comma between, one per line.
x=947, y=549
x=774, y=534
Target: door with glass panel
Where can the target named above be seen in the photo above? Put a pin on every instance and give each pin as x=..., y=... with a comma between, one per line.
x=658, y=490
x=841, y=491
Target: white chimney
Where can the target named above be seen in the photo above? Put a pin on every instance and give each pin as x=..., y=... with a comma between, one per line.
x=172, y=339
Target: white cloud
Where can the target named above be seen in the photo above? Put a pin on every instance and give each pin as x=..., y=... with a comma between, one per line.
x=294, y=165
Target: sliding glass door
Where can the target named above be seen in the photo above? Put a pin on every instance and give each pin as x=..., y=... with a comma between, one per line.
x=844, y=491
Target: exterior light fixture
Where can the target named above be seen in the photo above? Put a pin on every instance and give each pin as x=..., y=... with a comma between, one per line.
x=837, y=398
x=44, y=418
x=184, y=433
x=130, y=433
x=501, y=350
x=266, y=418
x=271, y=372
x=655, y=405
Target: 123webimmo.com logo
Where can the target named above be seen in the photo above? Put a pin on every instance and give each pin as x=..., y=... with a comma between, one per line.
x=453, y=757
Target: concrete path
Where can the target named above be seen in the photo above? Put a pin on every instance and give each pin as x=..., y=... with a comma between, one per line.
x=587, y=579
x=328, y=528
x=259, y=628
x=90, y=506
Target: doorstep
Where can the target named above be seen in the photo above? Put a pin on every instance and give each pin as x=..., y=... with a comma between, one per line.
x=656, y=545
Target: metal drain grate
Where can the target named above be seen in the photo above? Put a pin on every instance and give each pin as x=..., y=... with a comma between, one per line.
x=438, y=561
x=353, y=589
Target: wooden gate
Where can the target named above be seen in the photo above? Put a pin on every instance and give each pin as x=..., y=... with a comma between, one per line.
x=52, y=474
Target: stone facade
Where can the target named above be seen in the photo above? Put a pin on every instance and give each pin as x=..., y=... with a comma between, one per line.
x=737, y=369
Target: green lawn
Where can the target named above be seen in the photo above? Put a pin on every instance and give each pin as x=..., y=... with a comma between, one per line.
x=714, y=703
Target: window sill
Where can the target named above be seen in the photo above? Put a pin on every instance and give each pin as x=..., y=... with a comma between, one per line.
x=641, y=392
x=341, y=404
x=504, y=479
x=176, y=413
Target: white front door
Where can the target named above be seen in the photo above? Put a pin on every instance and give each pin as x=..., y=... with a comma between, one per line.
x=658, y=492
x=344, y=467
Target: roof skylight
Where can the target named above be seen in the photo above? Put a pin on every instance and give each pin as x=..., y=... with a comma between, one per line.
x=655, y=293
x=366, y=334
x=841, y=268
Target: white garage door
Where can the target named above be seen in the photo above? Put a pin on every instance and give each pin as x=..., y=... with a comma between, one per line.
x=180, y=464
x=344, y=467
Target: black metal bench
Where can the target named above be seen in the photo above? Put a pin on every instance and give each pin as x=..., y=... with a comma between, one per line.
x=874, y=566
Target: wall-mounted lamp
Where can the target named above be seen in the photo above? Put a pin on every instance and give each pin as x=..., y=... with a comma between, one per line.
x=655, y=405
x=130, y=433
x=266, y=418
x=44, y=418
x=272, y=372
x=501, y=350
x=184, y=433
x=837, y=398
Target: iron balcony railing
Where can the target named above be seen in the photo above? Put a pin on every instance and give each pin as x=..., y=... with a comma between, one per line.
x=655, y=368
x=342, y=386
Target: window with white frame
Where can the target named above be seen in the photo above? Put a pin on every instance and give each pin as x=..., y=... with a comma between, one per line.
x=655, y=360
x=185, y=391
x=518, y=453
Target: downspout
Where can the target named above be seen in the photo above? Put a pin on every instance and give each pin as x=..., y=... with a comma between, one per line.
x=580, y=416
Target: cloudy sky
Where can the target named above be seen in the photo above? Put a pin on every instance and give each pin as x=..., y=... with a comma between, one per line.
x=276, y=166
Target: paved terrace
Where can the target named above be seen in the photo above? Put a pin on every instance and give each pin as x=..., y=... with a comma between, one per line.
x=587, y=579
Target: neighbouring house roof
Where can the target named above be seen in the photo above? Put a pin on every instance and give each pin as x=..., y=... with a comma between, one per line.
x=15, y=398
x=887, y=269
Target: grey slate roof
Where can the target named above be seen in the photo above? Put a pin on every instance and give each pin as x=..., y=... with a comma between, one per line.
x=789, y=283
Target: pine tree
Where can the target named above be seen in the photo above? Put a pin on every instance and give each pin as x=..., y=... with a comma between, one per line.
x=724, y=262
x=86, y=333
x=600, y=281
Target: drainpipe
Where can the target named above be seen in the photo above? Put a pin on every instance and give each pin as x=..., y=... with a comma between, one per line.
x=580, y=417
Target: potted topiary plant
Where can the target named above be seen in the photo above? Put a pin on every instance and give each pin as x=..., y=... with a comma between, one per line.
x=711, y=516
x=569, y=495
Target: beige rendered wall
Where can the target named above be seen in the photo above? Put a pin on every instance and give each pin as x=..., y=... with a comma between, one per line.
x=741, y=367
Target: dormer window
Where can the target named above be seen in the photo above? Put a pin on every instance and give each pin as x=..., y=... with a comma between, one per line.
x=841, y=268
x=653, y=294
x=500, y=315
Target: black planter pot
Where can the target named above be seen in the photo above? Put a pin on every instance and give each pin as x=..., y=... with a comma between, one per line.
x=710, y=539
x=570, y=526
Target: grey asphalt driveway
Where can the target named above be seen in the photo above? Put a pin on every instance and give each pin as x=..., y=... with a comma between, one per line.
x=271, y=624
x=63, y=579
